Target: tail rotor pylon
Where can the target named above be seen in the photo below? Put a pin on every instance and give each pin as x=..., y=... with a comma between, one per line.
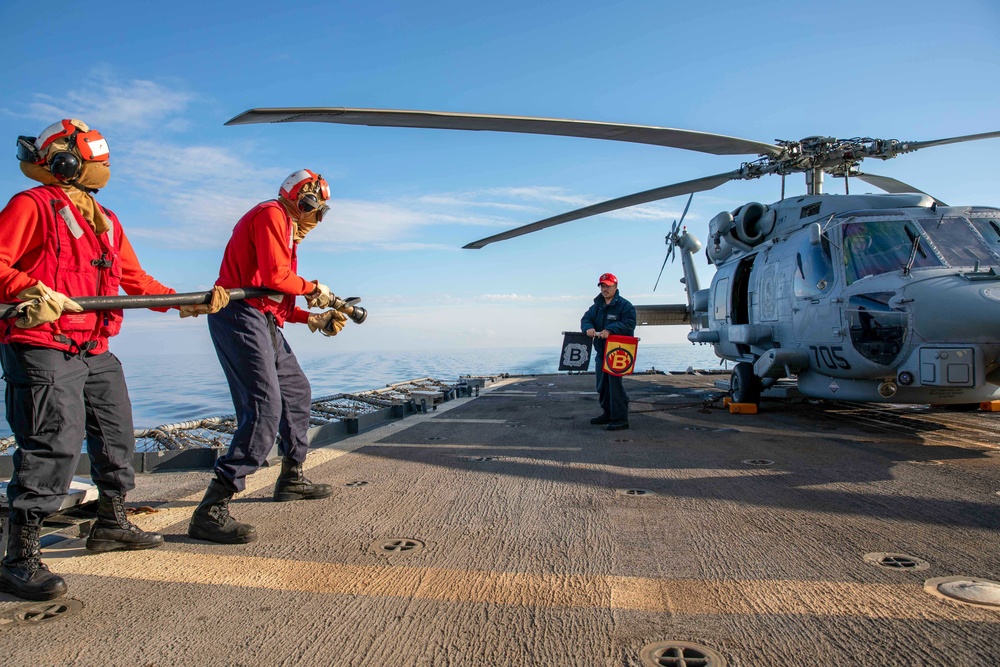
x=673, y=238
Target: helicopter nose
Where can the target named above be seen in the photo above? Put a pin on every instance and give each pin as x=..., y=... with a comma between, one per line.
x=954, y=309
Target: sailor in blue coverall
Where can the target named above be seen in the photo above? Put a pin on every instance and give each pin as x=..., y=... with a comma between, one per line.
x=610, y=314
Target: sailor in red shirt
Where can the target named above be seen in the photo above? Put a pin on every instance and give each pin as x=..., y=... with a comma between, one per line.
x=270, y=392
x=57, y=242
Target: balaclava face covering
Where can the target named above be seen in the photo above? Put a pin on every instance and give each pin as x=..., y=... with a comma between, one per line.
x=93, y=176
x=304, y=222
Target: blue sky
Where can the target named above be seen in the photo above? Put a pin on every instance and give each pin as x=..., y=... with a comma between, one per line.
x=160, y=80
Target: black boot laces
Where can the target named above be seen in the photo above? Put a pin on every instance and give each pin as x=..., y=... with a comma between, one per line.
x=220, y=511
x=121, y=516
x=31, y=556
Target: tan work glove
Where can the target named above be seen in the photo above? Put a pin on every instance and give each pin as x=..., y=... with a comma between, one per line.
x=220, y=299
x=329, y=323
x=321, y=297
x=42, y=305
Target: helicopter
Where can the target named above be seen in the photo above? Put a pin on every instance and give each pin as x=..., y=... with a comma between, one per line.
x=886, y=298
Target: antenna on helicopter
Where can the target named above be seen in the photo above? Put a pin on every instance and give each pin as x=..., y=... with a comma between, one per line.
x=673, y=238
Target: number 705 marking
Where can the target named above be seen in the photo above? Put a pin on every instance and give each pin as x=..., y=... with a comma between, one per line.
x=829, y=357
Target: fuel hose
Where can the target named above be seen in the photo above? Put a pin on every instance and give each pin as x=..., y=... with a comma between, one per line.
x=8, y=310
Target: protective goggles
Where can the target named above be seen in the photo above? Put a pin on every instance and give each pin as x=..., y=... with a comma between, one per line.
x=309, y=203
x=26, y=151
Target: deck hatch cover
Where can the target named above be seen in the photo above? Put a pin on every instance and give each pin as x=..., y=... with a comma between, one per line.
x=681, y=654
x=36, y=613
x=401, y=545
x=758, y=462
x=897, y=561
x=966, y=590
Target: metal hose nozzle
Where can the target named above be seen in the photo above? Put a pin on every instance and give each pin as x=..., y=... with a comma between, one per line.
x=348, y=307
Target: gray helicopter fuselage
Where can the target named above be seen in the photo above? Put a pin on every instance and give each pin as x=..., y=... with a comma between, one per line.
x=886, y=298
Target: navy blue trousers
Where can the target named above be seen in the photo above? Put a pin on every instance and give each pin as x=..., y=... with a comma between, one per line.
x=270, y=392
x=54, y=400
x=610, y=391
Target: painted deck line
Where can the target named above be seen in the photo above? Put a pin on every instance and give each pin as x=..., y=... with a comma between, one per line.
x=685, y=597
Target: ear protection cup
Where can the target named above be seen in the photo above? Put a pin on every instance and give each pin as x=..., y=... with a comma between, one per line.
x=65, y=162
x=65, y=166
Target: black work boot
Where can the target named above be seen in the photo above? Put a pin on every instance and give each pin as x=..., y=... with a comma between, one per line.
x=113, y=530
x=292, y=484
x=22, y=573
x=211, y=520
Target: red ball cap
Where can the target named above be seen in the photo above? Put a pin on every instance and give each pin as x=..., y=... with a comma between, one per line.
x=607, y=279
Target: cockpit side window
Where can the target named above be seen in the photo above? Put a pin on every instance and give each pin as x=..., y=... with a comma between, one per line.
x=881, y=246
x=877, y=330
x=990, y=230
x=813, y=268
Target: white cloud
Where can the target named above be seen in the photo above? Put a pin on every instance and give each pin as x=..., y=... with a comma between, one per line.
x=407, y=247
x=197, y=192
x=528, y=298
x=103, y=101
x=456, y=200
x=200, y=190
x=502, y=198
x=541, y=202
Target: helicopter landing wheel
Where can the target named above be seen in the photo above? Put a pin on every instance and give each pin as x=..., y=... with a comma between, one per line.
x=744, y=386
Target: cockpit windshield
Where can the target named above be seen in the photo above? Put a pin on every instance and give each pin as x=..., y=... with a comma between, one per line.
x=880, y=246
x=963, y=242
x=872, y=247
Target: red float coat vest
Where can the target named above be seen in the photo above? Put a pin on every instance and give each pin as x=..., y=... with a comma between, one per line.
x=262, y=253
x=76, y=262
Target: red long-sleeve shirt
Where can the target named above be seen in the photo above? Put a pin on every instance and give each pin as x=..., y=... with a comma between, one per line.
x=261, y=254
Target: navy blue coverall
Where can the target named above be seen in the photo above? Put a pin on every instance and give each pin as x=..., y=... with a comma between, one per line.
x=618, y=317
x=270, y=392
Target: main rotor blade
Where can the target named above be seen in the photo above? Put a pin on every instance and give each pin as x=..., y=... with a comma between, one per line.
x=917, y=145
x=665, y=192
x=705, y=142
x=892, y=185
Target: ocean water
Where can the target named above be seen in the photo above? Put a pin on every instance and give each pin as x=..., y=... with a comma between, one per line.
x=172, y=388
